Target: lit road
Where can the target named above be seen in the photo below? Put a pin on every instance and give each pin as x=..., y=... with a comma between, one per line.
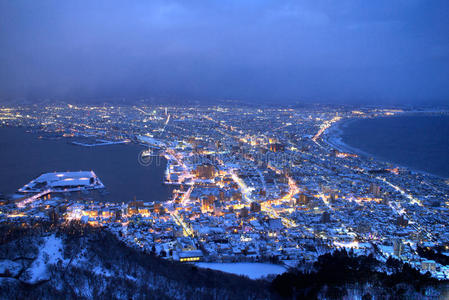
x=412, y=199
x=396, y=207
x=180, y=222
x=325, y=126
x=29, y=200
x=186, y=195
x=246, y=191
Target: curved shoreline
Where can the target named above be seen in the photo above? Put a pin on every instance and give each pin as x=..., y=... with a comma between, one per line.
x=333, y=138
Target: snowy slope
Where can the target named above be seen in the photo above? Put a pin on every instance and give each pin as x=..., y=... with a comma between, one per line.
x=49, y=253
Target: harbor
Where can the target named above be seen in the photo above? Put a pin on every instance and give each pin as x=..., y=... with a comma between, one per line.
x=117, y=165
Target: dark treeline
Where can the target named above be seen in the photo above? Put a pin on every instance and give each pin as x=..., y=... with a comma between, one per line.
x=435, y=254
x=334, y=274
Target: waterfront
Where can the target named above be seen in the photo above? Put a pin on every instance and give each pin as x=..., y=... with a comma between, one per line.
x=233, y=207
x=420, y=142
x=24, y=157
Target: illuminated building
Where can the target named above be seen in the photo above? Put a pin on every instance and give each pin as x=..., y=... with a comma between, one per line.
x=398, y=247
x=276, y=147
x=190, y=256
x=428, y=265
x=205, y=171
x=207, y=203
x=375, y=190
x=303, y=199
x=64, y=182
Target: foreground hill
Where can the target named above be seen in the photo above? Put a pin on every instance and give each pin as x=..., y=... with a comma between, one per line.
x=76, y=261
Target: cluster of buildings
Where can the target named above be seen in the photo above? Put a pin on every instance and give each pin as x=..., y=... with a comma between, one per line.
x=251, y=185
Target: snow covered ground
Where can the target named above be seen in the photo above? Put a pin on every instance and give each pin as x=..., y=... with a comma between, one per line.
x=252, y=270
x=9, y=266
x=49, y=253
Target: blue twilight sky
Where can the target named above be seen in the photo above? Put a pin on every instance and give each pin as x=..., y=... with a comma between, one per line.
x=342, y=51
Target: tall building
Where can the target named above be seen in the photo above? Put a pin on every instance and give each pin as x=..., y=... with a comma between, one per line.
x=303, y=199
x=375, y=190
x=244, y=212
x=205, y=171
x=398, y=247
x=221, y=195
x=325, y=217
x=276, y=147
x=401, y=221
x=207, y=203
x=255, y=206
x=428, y=265
x=236, y=196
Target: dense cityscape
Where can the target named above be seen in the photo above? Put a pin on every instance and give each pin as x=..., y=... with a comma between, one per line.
x=168, y=149
x=249, y=185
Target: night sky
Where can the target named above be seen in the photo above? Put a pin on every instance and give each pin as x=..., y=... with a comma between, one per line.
x=343, y=51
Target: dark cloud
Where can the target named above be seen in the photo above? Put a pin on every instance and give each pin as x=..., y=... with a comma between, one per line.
x=341, y=51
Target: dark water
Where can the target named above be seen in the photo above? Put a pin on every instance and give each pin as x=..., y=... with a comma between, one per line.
x=418, y=142
x=23, y=157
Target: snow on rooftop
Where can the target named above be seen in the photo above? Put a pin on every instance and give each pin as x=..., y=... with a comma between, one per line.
x=63, y=180
x=58, y=176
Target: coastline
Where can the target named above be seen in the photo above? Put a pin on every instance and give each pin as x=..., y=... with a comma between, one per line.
x=333, y=138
